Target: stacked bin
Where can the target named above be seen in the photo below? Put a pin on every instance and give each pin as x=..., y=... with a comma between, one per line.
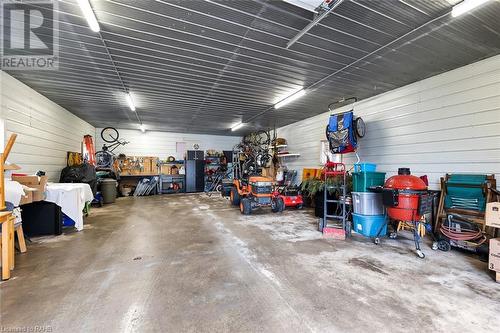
x=369, y=215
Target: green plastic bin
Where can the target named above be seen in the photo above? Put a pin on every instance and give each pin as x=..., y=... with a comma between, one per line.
x=465, y=192
x=362, y=180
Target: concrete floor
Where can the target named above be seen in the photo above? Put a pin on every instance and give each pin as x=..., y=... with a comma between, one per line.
x=189, y=263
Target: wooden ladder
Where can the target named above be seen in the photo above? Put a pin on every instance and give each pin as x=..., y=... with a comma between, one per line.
x=6, y=218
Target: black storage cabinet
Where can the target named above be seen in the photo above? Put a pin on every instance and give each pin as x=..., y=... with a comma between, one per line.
x=195, y=155
x=42, y=218
x=228, y=154
x=195, y=176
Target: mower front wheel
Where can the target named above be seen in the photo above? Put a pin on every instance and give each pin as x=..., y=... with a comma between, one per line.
x=234, y=196
x=277, y=205
x=245, y=206
x=299, y=206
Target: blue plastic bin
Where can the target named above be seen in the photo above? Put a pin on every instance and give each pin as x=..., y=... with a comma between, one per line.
x=369, y=225
x=364, y=167
x=67, y=222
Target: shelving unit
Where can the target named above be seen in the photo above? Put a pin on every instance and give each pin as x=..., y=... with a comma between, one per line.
x=212, y=166
x=169, y=182
x=164, y=167
x=282, y=154
x=288, y=155
x=172, y=184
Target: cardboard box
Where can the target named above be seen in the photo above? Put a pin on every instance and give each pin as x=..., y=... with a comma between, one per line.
x=165, y=169
x=492, y=214
x=150, y=165
x=494, y=262
x=27, y=198
x=35, y=182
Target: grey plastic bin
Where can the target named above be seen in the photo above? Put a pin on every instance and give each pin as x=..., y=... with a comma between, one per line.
x=108, y=190
x=367, y=203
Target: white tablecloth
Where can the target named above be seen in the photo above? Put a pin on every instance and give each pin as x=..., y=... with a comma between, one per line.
x=71, y=198
x=13, y=192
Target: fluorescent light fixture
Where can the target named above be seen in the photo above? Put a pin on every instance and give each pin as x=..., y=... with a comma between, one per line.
x=142, y=128
x=466, y=6
x=290, y=98
x=237, y=126
x=130, y=101
x=89, y=15
x=309, y=5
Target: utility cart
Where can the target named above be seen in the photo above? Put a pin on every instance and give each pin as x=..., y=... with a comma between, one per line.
x=335, y=175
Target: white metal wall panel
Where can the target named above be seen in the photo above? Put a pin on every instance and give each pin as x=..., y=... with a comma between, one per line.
x=449, y=123
x=46, y=131
x=163, y=144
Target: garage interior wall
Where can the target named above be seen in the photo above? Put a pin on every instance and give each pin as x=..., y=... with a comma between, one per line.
x=444, y=124
x=46, y=131
x=163, y=144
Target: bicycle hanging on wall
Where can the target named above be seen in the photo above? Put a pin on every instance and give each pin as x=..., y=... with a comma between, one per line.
x=106, y=156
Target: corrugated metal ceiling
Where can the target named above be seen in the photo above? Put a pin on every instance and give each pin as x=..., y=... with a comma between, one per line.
x=202, y=66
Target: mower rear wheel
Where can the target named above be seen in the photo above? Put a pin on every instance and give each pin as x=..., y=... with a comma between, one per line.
x=234, y=196
x=245, y=206
x=277, y=205
x=444, y=245
x=299, y=206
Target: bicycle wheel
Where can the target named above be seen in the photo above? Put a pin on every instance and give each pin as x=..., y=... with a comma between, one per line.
x=248, y=139
x=262, y=138
x=110, y=134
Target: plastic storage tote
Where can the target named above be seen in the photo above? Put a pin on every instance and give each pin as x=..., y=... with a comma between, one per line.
x=361, y=181
x=363, y=167
x=67, y=221
x=369, y=226
x=461, y=196
x=367, y=203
